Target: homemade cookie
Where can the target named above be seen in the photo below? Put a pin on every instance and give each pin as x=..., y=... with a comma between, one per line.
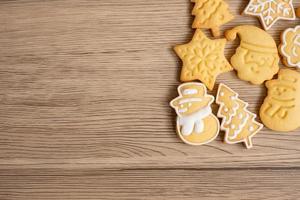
x=203, y=59
x=238, y=123
x=196, y=125
x=211, y=14
x=290, y=47
x=269, y=11
x=256, y=59
x=281, y=108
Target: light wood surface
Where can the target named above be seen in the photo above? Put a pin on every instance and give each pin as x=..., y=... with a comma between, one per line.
x=84, y=92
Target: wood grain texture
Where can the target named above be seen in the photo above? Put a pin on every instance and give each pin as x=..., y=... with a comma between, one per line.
x=84, y=92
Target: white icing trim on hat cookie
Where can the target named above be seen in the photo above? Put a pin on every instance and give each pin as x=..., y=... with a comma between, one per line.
x=247, y=140
x=261, y=16
x=190, y=91
x=284, y=45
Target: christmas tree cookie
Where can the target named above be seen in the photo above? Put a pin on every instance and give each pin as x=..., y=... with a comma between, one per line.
x=211, y=14
x=196, y=125
x=269, y=11
x=238, y=123
x=281, y=108
x=203, y=59
x=290, y=47
x=256, y=59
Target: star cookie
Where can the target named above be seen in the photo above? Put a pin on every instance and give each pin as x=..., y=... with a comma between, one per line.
x=269, y=11
x=203, y=59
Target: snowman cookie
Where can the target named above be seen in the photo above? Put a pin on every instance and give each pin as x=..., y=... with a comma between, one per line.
x=290, y=47
x=238, y=123
x=256, y=59
x=269, y=11
x=281, y=108
x=196, y=125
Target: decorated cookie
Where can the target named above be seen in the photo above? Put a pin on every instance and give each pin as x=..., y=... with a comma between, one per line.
x=290, y=47
x=196, y=125
x=203, y=59
x=238, y=123
x=269, y=11
x=256, y=59
x=281, y=108
x=211, y=14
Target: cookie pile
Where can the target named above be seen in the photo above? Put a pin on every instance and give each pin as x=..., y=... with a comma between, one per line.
x=256, y=60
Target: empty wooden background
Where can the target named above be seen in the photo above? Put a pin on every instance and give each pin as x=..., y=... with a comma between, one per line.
x=84, y=92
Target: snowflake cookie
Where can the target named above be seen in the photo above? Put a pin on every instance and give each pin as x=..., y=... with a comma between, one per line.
x=269, y=11
x=203, y=59
x=290, y=47
x=196, y=125
x=238, y=123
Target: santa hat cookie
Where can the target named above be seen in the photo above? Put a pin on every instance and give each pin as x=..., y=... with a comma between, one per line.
x=256, y=59
x=196, y=125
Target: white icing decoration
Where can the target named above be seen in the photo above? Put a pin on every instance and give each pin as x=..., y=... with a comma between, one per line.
x=241, y=116
x=222, y=94
x=228, y=139
x=190, y=104
x=190, y=91
x=193, y=121
x=240, y=127
x=183, y=110
x=284, y=44
x=188, y=100
x=267, y=20
x=232, y=126
x=226, y=110
x=232, y=98
x=251, y=128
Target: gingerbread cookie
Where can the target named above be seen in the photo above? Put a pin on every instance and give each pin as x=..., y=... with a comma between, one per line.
x=196, y=125
x=203, y=59
x=211, y=14
x=269, y=11
x=281, y=108
x=238, y=123
x=290, y=47
x=256, y=59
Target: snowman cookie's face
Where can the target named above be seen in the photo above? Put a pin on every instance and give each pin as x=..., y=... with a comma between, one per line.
x=281, y=91
x=192, y=98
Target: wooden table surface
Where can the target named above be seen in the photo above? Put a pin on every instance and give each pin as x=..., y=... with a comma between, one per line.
x=84, y=92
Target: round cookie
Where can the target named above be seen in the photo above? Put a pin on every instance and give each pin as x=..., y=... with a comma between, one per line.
x=290, y=47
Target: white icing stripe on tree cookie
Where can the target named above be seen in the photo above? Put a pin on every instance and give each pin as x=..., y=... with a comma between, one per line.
x=240, y=127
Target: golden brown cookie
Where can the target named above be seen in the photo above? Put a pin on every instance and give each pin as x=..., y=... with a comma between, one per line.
x=203, y=59
x=269, y=11
x=256, y=59
x=238, y=123
x=281, y=108
x=211, y=14
x=290, y=47
x=196, y=125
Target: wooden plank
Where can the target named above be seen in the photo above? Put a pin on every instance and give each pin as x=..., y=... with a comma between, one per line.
x=84, y=92
x=154, y=184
